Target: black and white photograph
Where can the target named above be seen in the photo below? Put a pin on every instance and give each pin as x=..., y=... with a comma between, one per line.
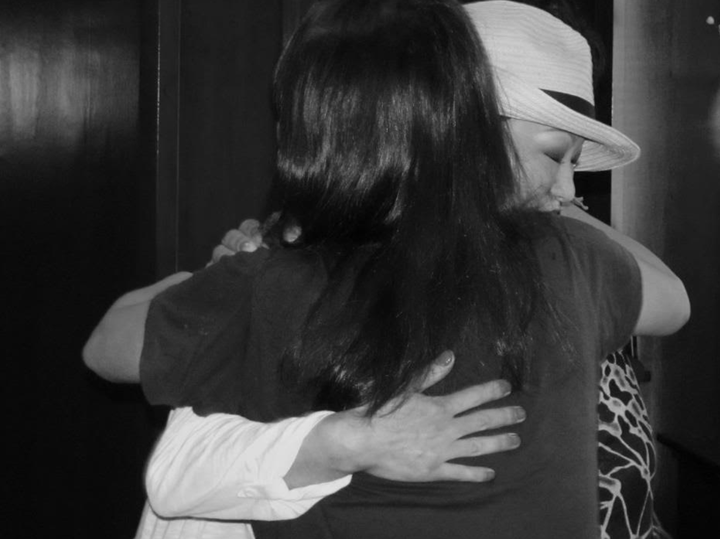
x=360, y=269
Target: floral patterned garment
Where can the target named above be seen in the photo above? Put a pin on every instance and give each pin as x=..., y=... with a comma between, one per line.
x=626, y=455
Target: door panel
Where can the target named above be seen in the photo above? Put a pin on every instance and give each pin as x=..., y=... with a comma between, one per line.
x=217, y=135
x=76, y=202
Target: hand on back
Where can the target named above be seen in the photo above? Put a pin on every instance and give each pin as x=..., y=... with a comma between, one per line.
x=413, y=437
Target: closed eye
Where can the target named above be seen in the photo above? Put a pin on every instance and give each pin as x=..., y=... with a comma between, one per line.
x=560, y=159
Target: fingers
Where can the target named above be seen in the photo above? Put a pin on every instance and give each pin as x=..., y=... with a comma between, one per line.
x=221, y=251
x=442, y=365
x=484, y=445
x=251, y=228
x=237, y=241
x=474, y=396
x=292, y=233
x=492, y=418
x=458, y=472
x=247, y=238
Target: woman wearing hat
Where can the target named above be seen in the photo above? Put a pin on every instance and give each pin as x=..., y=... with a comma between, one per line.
x=544, y=70
x=548, y=487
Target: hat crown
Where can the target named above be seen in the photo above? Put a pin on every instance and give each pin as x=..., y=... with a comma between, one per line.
x=534, y=46
x=543, y=69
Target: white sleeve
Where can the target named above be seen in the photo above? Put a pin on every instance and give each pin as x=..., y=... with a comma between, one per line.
x=228, y=467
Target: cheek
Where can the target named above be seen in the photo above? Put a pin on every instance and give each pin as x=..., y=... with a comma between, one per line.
x=536, y=183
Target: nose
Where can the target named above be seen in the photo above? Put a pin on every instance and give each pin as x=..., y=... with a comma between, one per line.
x=564, y=187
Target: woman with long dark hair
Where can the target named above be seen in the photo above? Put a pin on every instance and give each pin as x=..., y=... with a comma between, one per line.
x=402, y=187
x=393, y=162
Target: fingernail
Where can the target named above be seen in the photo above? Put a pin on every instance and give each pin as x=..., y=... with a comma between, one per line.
x=248, y=247
x=520, y=414
x=490, y=475
x=505, y=388
x=514, y=439
x=446, y=358
x=292, y=233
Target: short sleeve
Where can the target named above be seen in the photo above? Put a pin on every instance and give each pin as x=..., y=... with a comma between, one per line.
x=195, y=334
x=614, y=280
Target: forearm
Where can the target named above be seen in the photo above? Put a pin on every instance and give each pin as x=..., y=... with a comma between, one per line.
x=666, y=305
x=227, y=467
x=115, y=345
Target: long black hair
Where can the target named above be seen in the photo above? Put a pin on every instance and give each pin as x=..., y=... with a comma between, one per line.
x=393, y=160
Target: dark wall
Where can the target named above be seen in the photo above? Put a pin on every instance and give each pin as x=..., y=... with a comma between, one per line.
x=76, y=199
x=667, y=98
x=217, y=134
x=100, y=194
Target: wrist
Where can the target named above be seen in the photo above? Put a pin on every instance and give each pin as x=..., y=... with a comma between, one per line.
x=331, y=450
x=343, y=439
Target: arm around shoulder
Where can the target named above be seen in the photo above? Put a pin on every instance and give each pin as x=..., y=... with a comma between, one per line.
x=665, y=304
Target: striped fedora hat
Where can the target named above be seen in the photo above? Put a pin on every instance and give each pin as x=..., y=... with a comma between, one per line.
x=543, y=70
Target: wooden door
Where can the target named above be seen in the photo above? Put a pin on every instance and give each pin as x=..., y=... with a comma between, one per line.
x=76, y=203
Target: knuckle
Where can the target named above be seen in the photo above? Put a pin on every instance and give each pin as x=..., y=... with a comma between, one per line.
x=477, y=447
x=483, y=420
x=500, y=389
x=505, y=442
x=219, y=252
x=249, y=226
x=232, y=233
x=504, y=417
x=231, y=238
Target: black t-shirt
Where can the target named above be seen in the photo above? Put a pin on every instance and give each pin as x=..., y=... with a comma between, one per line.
x=214, y=342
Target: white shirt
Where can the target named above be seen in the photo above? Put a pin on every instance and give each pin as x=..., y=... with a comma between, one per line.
x=229, y=468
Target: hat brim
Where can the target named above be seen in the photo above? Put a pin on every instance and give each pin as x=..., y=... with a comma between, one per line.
x=604, y=148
